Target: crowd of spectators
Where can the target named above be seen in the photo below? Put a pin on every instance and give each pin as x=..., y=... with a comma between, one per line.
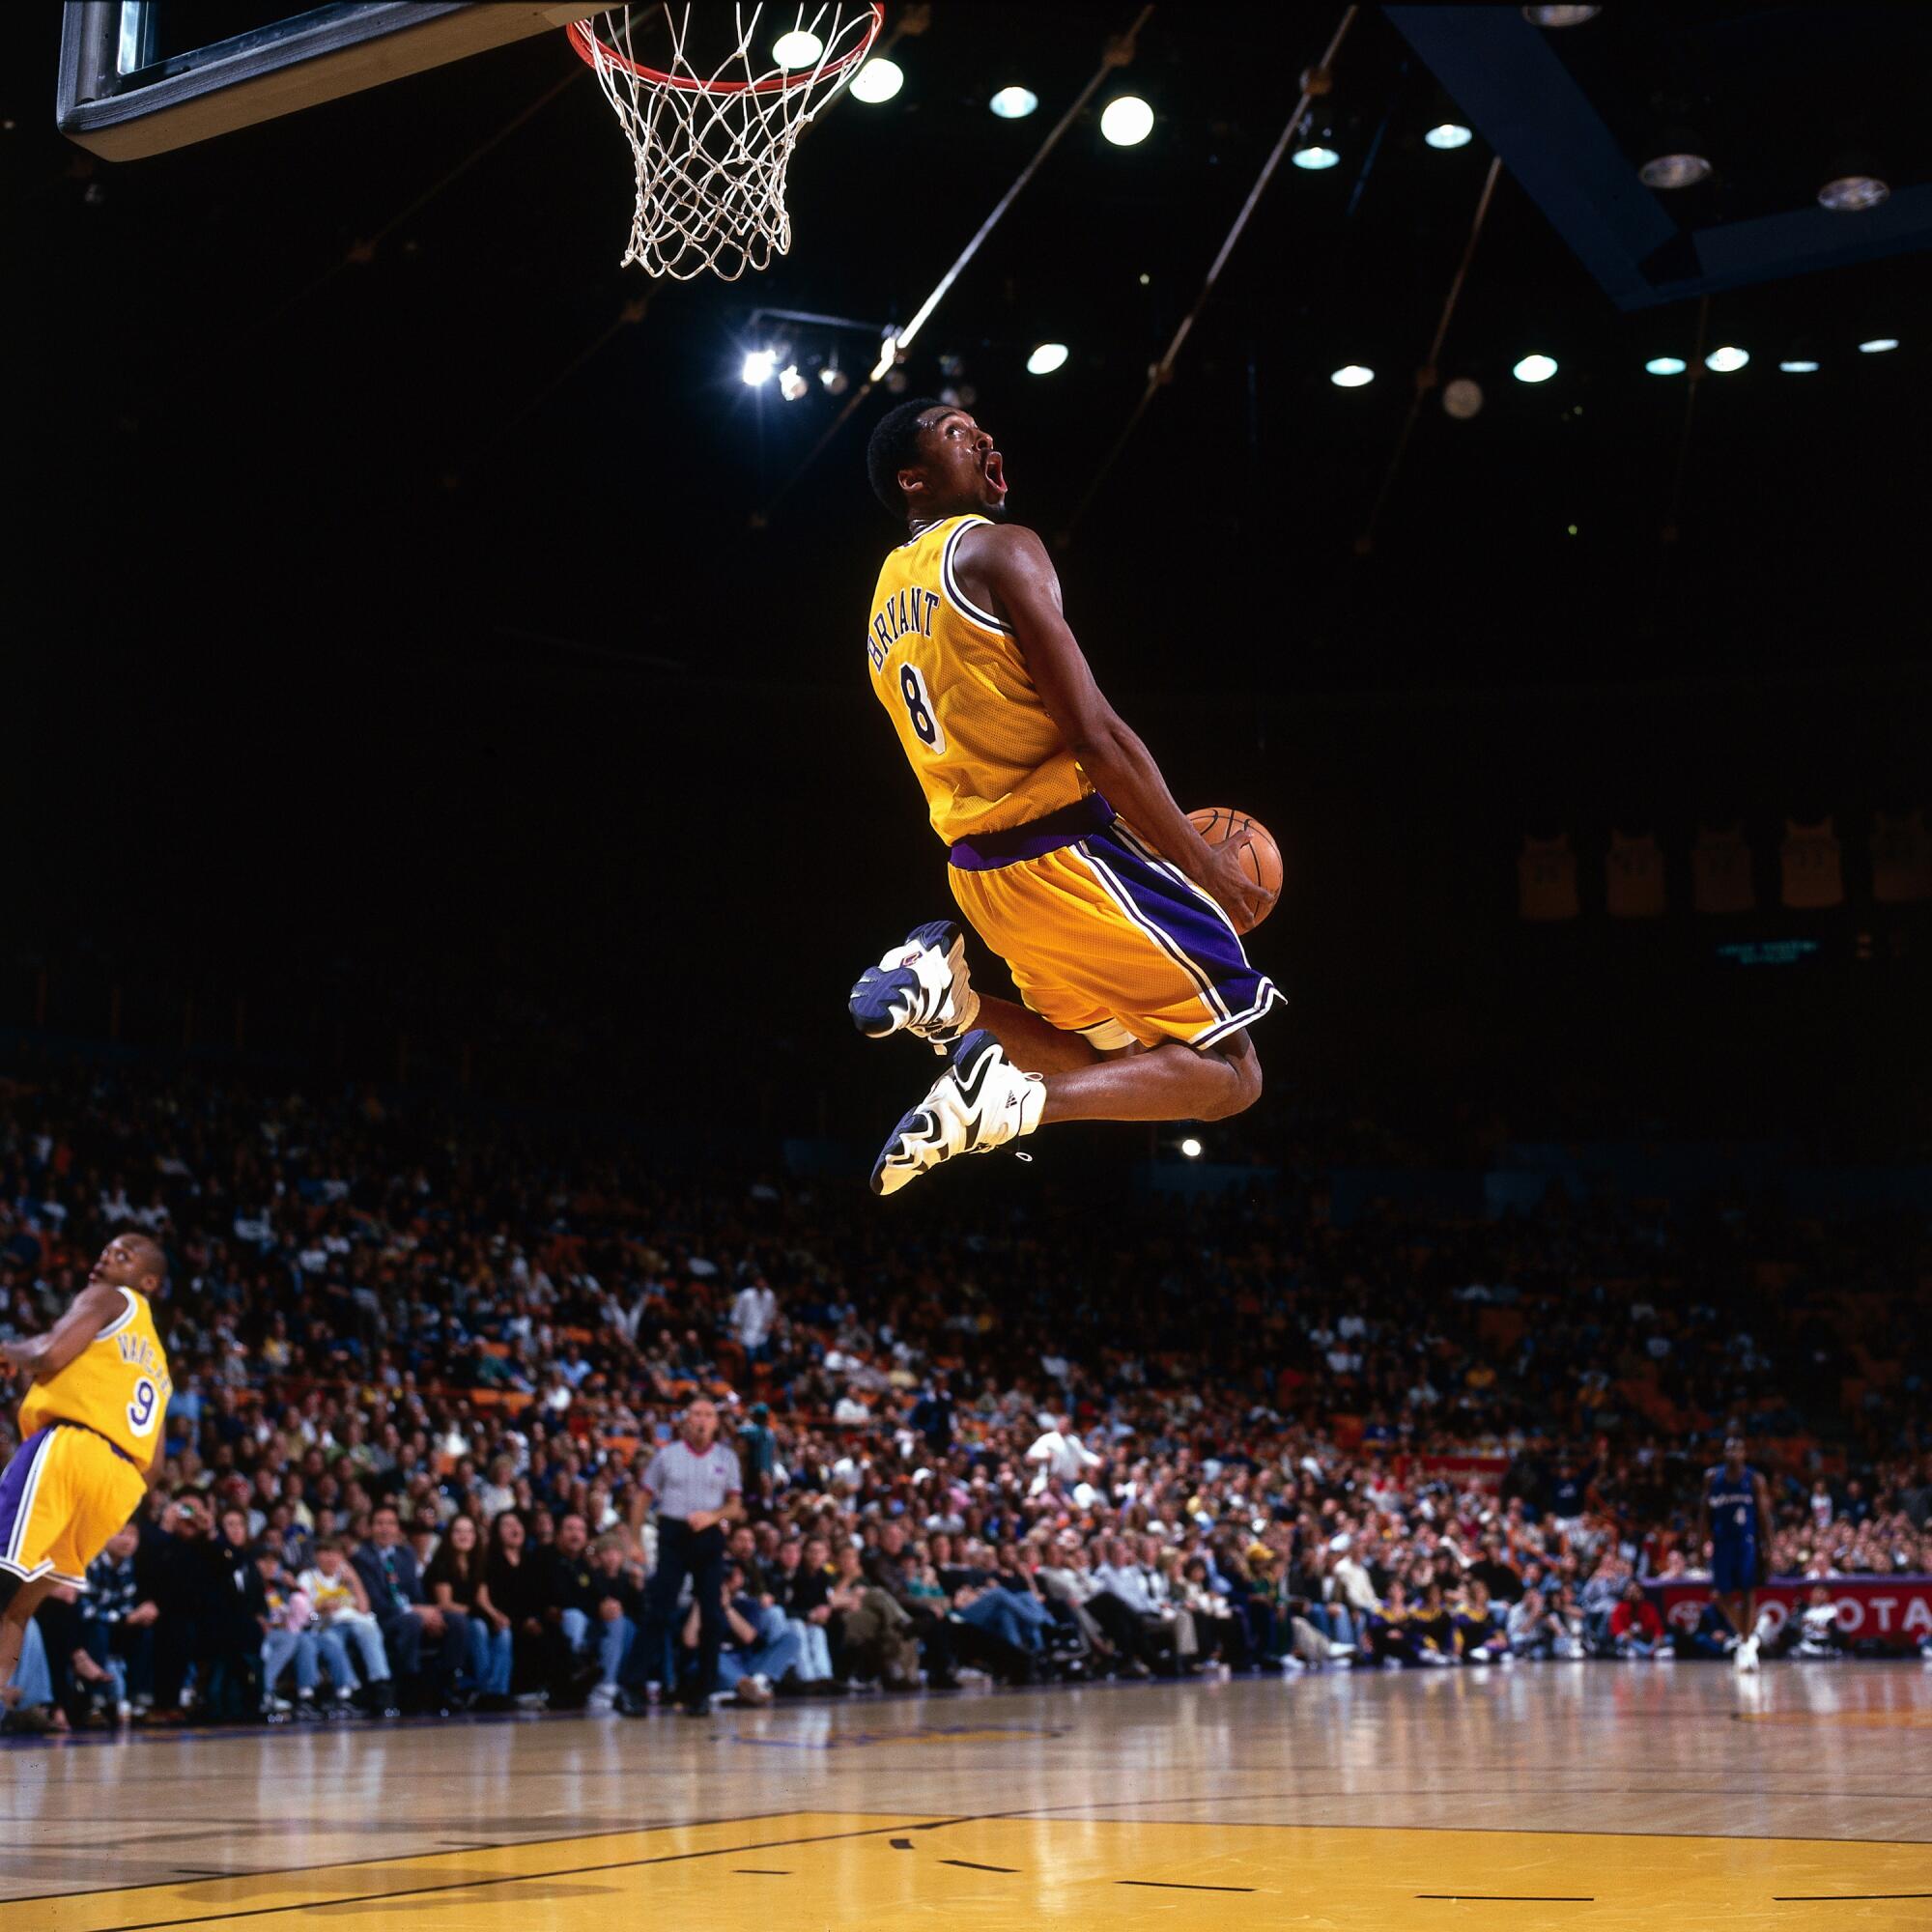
x=430, y=1374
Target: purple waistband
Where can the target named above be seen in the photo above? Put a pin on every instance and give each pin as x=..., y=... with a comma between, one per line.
x=989, y=851
x=63, y=1422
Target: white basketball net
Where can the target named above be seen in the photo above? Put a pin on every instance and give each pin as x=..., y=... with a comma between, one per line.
x=711, y=153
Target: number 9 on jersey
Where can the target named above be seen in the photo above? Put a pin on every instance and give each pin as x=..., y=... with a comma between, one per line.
x=141, y=1410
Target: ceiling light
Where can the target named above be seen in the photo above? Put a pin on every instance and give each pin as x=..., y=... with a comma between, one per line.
x=797, y=48
x=1878, y=345
x=1559, y=17
x=834, y=379
x=1682, y=169
x=1722, y=361
x=1665, y=365
x=879, y=79
x=1046, y=359
x=1853, y=194
x=1126, y=121
x=1535, y=368
x=1191, y=1147
x=1463, y=398
x=1015, y=103
x=1448, y=134
x=759, y=366
x=1315, y=156
x=793, y=386
x=1800, y=366
x=1352, y=376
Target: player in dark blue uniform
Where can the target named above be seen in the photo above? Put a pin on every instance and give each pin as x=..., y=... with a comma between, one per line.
x=1736, y=1523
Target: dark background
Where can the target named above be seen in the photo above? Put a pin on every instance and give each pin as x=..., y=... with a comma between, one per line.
x=391, y=649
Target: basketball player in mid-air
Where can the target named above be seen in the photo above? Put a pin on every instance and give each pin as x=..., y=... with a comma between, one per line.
x=1736, y=1523
x=1070, y=857
x=90, y=1433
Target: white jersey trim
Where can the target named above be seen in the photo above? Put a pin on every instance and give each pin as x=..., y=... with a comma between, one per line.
x=121, y=1321
x=949, y=583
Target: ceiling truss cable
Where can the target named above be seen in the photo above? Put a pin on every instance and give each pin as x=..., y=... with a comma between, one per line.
x=1667, y=534
x=1426, y=376
x=1316, y=81
x=1120, y=51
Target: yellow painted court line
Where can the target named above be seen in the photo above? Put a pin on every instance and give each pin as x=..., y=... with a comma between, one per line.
x=866, y=1872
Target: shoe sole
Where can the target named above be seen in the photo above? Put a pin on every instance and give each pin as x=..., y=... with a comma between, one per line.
x=968, y=1059
x=875, y=1002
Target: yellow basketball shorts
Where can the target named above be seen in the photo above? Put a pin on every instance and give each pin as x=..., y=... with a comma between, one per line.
x=65, y=1491
x=1107, y=939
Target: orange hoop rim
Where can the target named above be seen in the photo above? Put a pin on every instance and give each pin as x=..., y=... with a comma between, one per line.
x=584, y=40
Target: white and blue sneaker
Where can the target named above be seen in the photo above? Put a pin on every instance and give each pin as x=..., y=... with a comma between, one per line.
x=922, y=985
x=981, y=1102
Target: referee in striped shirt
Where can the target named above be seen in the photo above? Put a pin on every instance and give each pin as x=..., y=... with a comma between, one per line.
x=693, y=1483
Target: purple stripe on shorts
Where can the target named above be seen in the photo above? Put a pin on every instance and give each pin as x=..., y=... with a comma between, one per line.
x=989, y=851
x=14, y=1484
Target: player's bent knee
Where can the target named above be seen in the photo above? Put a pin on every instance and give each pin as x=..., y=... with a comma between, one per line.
x=1240, y=1085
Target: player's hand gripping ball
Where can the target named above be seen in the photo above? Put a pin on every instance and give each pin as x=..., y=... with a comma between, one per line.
x=1247, y=860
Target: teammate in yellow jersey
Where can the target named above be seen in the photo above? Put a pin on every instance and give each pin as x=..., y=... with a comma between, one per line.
x=91, y=1433
x=1070, y=857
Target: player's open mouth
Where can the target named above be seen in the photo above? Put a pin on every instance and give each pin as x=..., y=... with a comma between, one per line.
x=996, y=473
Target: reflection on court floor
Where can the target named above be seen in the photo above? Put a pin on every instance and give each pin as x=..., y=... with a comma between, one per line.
x=1596, y=1796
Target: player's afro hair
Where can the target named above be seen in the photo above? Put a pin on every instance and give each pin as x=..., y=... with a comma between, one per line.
x=894, y=445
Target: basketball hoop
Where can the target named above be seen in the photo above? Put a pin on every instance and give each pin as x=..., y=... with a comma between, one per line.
x=711, y=148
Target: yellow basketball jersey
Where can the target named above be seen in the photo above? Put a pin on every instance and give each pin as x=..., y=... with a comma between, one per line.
x=118, y=1385
x=955, y=683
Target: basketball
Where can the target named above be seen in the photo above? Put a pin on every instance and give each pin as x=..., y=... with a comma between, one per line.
x=1219, y=823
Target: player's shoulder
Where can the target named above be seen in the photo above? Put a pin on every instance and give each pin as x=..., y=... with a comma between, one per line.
x=986, y=540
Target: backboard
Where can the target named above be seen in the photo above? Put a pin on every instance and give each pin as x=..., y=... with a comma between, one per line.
x=143, y=77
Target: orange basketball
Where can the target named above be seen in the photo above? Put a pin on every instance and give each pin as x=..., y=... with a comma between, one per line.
x=1261, y=857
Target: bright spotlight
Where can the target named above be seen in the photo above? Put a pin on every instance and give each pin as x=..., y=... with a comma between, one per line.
x=1878, y=345
x=1015, y=103
x=1668, y=171
x=1352, y=376
x=793, y=386
x=1450, y=134
x=834, y=379
x=1800, y=366
x=1046, y=359
x=1535, y=368
x=879, y=79
x=1853, y=194
x=1722, y=361
x=759, y=366
x=1463, y=398
x=1559, y=17
x=1191, y=1147
x=1315, y=158
x=1665, y=365
x=1126, y=121
x=797, y=48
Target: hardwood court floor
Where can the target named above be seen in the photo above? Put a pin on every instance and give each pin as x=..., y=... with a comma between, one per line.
x=1599, y=1796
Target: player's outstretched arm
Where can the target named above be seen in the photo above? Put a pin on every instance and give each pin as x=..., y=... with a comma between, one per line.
x=87, y=1314
x=1011, y=564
